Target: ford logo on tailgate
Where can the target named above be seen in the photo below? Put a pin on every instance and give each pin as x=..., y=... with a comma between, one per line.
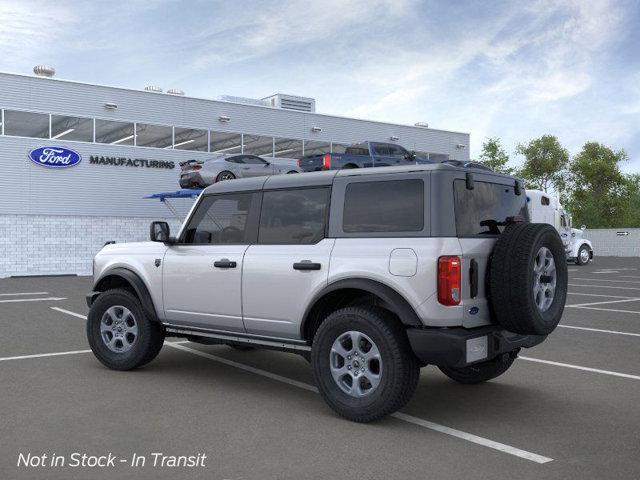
x=57, y=157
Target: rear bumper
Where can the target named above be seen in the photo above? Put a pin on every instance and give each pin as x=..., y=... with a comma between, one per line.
x=459, y=347
x=192, y=179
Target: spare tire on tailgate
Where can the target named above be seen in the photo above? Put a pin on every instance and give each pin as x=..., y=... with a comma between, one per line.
x=528, y=278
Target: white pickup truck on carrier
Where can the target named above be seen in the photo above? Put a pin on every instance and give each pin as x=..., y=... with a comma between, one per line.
x=544, y=208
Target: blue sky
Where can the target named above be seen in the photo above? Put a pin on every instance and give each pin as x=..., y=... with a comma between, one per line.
x=515, y=70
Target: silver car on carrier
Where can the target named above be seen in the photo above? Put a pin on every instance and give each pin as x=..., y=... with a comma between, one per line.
x=202, y=173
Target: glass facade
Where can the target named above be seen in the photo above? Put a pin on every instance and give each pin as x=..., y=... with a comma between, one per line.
x=117, y=132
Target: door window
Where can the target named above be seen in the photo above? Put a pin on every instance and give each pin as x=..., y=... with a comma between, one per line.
x=293, y=216
x=381, y=150
x=253, y=160
x=221, y=219
x=397, y=151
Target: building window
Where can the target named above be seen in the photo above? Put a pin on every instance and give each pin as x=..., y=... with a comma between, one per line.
x=157, y=136
x=293, y=216
x=114, y=133
x=312, y=147
x=72, y=128
x=190, y=139
x=258, y=145
x=287, y=148
x=224, y=142
x=399, y=206
x=26, y=124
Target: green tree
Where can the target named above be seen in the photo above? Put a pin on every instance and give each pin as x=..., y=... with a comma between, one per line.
x=545, y=165
x=599, y=194
x=494, y=156
x=631, y=208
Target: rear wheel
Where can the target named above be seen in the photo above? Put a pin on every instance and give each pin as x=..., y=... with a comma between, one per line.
x=225, y=175
x=363, y=364
x=480, y=372
x=291, y=172
x=120, y=333
x=583, y=255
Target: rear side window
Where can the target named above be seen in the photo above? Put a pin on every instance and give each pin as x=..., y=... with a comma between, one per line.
x=293, y=216
x=387, y=206
x=485, y=209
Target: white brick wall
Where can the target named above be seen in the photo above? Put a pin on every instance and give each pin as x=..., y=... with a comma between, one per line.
x=608, y=243
x=54, y=245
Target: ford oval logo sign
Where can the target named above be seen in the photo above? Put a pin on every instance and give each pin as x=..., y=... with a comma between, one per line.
x=474, y=310
x=56, y=157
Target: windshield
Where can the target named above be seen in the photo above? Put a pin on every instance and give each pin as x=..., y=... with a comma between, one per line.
x=485, y=209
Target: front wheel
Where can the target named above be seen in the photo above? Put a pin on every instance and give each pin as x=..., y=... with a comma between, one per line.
x=363, y=364
x=120, y=333
x=480, y=372
x=583, y=255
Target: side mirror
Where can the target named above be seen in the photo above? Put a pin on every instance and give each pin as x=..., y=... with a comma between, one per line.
x=159, y=232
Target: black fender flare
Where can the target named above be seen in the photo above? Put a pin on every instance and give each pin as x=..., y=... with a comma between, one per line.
x=397, y=303
x=133, y=279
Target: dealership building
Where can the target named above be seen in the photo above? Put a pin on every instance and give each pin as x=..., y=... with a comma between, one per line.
x=127, y=144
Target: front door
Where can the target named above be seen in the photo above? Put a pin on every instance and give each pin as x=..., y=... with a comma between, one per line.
x=254, y=166
x=290, y=262
x=202, y=273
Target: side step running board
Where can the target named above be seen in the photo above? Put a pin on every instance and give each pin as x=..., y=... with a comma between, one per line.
x=281, y=344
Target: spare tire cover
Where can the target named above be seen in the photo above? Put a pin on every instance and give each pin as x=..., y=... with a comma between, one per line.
x=528, y=278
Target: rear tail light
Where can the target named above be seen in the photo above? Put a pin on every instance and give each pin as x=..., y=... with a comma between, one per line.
x=449, y=281
x=298, y=162
x=326, y=161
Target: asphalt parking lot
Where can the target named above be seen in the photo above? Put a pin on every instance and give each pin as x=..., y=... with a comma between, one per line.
x=569, y=408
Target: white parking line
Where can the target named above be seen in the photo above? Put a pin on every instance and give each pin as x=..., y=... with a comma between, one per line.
x=633, y=299
x=485, y=442
x=596, y=295
x=62, y=310
x=600, y=330
x=610, y=310
x=605, y=286
x=628, y=276
x=47, y=299
x=605, y=280
x=23, y=293
x=41, y=355
x=534, y=457
x=579, y=367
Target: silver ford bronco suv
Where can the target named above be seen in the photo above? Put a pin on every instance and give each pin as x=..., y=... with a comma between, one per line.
x=370, y=274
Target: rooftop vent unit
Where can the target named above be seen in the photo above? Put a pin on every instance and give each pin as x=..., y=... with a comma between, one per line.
x=244, y=100
x=422, y=124
x=44, y=71
x=292, y=102
x=153, y=88
x=175, y=91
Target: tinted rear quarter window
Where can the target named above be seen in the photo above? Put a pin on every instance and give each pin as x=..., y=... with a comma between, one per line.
x=384, y=206
x=485, y=209
x=297, y=216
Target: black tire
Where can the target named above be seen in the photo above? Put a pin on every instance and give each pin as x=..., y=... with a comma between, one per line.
x=579, y=260
x=147, y=344
x=480, y=372
x=349, y=166
x=225, y=175
x=399, y=372
x=512, y=278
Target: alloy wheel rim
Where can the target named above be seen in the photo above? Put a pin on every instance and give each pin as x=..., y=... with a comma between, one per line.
x=225, y=176
x=118, y=329
x=584, y=255
x=355, y=364
x=544, y=279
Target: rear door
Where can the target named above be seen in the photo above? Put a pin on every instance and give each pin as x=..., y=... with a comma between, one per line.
x=289, y=263
x=480, y=217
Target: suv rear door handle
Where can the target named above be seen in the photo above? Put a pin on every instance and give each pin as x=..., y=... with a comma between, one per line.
x=306, y=265
x=224, y=263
